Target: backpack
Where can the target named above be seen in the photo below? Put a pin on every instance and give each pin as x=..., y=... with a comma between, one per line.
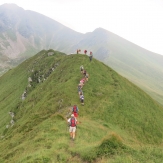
x=75, y=110
x=73, y=122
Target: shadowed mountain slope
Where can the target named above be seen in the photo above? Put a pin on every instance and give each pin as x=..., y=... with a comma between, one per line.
x=118, y=123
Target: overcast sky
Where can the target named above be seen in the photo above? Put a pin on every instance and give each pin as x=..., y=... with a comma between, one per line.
x=139, y=21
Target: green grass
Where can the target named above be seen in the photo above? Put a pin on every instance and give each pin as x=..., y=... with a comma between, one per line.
x=118, y=123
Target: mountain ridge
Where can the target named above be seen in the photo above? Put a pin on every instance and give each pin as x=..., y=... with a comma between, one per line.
x=117, y=123
x=35, y=32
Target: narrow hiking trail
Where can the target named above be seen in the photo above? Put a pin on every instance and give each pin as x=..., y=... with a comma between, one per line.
x=74, y=109
x=69, y=110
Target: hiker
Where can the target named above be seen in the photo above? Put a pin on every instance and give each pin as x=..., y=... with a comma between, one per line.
x=82, y=81
x=85, y=51
x=91, y=56
x=75, y=111
x=77, y=51
x=86, y=76
x=72, y=122
x=79, y=88
x=81, y=68
x=84, y=72
x=82, y=99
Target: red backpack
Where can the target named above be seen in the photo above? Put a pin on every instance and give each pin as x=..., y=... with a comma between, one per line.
x=73, y=122
x=75, y=109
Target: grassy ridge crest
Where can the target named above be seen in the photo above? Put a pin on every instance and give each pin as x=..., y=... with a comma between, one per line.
x=118, y=121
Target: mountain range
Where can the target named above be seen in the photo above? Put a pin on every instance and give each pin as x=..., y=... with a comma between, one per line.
x=23, y=33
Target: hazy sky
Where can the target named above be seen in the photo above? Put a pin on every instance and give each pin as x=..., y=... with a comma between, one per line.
x=139, y=21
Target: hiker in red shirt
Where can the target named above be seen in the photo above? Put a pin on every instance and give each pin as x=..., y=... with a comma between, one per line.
x=85, y=51
x=75, y=111
x=72, y=123
x=82, y=81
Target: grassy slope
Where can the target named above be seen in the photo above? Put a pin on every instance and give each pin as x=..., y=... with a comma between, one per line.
x=140, y=66
x=118, y=121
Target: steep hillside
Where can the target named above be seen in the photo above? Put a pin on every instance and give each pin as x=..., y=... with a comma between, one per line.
x=118, y=123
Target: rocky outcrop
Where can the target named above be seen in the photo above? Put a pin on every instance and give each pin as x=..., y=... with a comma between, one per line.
x=12, y=122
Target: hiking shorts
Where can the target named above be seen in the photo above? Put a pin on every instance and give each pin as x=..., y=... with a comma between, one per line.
x=79, y=90
x=72, y=129
x=82, y=100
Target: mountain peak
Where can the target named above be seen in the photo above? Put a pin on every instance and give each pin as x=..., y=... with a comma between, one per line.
x=11, y=7
x=100, y=30
x=7, y=5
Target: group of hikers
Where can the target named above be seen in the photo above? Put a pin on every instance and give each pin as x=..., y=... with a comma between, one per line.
x=72, y=122
x=85, y=52
x=82, y=82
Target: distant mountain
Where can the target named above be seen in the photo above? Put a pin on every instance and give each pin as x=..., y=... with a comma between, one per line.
x=24, y=33
x=140, y=66
x=118, y=122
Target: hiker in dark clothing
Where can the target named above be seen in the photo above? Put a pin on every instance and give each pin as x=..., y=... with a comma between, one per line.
x=85, y=51
x=91, y=56
x=79, y=89
x=82, y=99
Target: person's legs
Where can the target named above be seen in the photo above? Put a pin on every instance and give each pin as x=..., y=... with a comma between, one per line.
x=82, y=101
x=73, y=135
x=71, y=132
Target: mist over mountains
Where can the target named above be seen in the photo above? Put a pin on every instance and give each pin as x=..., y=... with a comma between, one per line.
x=23, y=33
